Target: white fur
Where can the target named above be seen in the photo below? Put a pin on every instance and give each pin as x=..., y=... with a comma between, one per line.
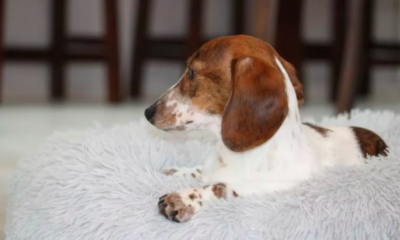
x=295, y=153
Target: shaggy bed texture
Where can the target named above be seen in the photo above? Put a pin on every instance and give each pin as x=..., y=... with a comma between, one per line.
x=105, y=183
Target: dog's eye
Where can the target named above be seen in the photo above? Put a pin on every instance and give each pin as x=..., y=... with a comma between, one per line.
x=191, y=74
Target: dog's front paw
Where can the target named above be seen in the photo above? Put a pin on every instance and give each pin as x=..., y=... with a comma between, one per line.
x=180, y=207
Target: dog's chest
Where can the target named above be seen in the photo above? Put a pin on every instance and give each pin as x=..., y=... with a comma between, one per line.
x=228, y=166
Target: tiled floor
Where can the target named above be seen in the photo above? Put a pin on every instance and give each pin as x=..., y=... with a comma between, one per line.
x=24, y=128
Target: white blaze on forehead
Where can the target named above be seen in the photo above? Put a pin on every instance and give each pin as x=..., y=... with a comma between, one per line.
x=172, y=96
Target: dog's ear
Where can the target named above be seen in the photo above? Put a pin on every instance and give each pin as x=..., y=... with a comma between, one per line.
x=298, y=87
x=257, y=106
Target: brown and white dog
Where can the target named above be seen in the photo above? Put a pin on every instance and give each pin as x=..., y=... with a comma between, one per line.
x=239, y=88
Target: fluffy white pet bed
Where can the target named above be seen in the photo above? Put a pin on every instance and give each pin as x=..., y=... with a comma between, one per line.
x=105, y=183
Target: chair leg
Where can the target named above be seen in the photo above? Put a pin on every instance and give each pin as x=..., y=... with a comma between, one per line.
x=238, y=16
x=288, y=40
x=111, y=46
x=2, y=9
x=57, y=81
x=139, y=51
x=195, y=26
x=263, y=19
x=339, y=26
x=365, y=66
x=351, y=58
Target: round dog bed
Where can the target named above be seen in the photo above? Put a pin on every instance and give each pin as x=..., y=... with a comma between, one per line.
x=105, y=183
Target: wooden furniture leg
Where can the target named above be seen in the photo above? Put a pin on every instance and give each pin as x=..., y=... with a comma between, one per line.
x=238, y=16
x=57, y=81
x=263, y=20
x=111, y=51
x=195, y=26
x=2, y=15
x=339, y=30
x=351, y=57
x=288, y=41
x=141, y=41
x=365, y=72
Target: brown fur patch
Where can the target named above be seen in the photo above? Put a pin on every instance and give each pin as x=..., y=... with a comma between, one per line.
x=258, y=105
x=321, y=130
x=169, y=172
x=192, y=196
x=200, y=203
x=235, y=194
x=369, y=142
x=219, y=190
x=193, y=175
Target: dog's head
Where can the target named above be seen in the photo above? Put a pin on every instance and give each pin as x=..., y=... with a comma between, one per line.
x=233, y=83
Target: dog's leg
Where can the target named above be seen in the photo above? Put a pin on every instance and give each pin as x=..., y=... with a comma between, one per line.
x=180, y=206
x=184, y=172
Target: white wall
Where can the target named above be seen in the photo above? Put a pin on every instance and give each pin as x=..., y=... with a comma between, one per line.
x=27, y=23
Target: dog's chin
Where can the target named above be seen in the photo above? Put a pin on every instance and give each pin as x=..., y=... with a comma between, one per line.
x=188, y=126
x=174, y=129
x=180, y=128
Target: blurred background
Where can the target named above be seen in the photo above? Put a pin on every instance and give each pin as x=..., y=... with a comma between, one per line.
x=70, y=63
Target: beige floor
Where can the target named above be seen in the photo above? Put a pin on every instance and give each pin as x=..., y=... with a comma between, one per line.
x=24, y=128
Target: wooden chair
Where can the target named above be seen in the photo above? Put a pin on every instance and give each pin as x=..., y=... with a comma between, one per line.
x=169, y=48
x=65, y=48
x=352, y=52
x=361, y=54
x=287, y=40
x=351, y=57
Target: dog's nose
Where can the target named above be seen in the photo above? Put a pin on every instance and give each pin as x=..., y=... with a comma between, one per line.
x=149, y=112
